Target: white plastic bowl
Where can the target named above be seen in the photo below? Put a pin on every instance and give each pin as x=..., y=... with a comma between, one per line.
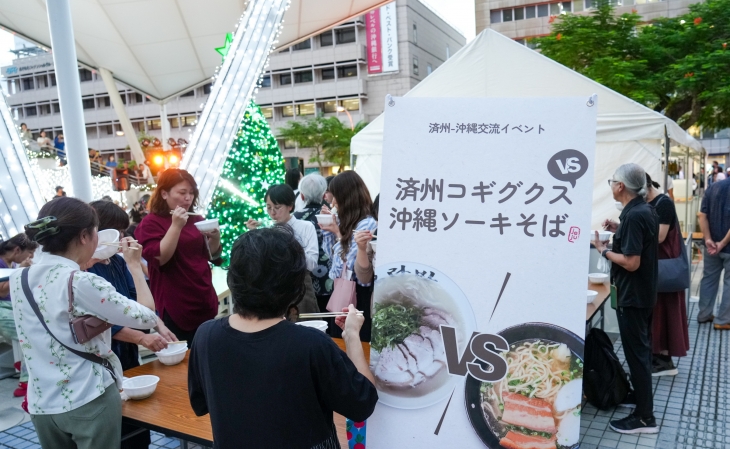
x=592, y=296
x=207, y=225
x=373, y=245
x=106, y=251
x=324, y=219
x=173, y=354
x=597, y=278
x=317, y=324
x=602, y=235
x=140, y=387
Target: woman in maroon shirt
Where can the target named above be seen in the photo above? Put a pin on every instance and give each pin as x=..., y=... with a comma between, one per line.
x=177, y=254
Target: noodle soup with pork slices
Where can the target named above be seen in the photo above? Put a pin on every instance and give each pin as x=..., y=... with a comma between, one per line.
x=407, y=351
x=537, y=405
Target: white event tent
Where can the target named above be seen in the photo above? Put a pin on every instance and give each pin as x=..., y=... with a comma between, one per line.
x=493, y=65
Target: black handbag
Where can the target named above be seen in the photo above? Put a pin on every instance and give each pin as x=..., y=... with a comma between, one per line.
x=674, y=273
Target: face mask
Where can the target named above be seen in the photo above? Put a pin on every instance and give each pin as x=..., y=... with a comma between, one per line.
x=619, y=206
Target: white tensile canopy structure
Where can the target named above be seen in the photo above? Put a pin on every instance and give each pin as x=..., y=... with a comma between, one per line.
x=493, y=65
x=163, y=48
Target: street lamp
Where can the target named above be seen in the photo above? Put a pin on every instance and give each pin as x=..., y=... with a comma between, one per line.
x=341, y=109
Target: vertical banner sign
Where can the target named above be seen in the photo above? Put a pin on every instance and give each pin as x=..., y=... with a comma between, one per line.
x=479, y=302
x=382, y=38
x=375, y=51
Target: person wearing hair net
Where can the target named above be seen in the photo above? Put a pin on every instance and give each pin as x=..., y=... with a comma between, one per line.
x=634, y=272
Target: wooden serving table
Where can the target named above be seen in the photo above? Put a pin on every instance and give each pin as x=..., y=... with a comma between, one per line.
x=598, y=304
x=168, y=410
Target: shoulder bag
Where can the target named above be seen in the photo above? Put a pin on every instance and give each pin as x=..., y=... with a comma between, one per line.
x=674, y=273
x=344, y=292
x=84, y=326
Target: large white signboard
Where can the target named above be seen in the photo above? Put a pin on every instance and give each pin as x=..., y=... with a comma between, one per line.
x=480, y=299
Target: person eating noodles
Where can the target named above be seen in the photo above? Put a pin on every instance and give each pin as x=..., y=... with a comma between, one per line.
x=177, y=254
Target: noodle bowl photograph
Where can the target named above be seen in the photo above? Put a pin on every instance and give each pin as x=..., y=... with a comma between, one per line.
x=538, y=404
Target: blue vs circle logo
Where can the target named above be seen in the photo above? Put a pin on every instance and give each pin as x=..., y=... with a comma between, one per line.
x=568, y=166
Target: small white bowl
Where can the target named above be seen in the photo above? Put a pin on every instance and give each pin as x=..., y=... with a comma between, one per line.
x=173, y=354
x=317, y=324
x=207, y=225
x=597, y=278
x=140, y=387
x=373, y=245
x=592, y=296
x=106, y=251
x=602, y=235
x=324, y=219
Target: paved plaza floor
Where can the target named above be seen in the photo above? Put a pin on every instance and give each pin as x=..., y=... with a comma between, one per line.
x=689, y=407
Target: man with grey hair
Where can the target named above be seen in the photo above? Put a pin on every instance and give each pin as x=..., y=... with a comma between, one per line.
x=311, y=192
x=634, y=272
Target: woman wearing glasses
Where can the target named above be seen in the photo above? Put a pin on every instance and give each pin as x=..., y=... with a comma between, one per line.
x=177, y=254
x=280, y=201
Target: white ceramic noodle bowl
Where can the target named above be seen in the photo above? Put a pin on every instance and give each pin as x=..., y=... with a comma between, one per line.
x=106, y=251
x=207, y=225
x=597, y=278
x=315, y=324
x=140, y=387
x=173, y=354
x=591, y=296
x=324, y=219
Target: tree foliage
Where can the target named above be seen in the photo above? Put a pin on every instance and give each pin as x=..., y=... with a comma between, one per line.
x=328, y=137
x=678, y=66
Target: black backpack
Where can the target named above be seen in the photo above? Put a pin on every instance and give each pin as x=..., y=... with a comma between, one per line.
x=605, y=383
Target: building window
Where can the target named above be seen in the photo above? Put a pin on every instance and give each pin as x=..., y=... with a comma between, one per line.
x=415, y=65
x=267, y=112
x=304, y=45
x=190, y=93
x=87, y=103
x=448, y=51
x=103, y=102
x=91, y=132
x=123, y=96
x=577, y=5
x=352, y=104
x=266, y=81
x=345, y=35
x=347, y=71
x=289, y=144
x=542, y=10
x=45, y=109
x=138, y=98
x=109, y=129
x=328, y=74
x=330, y=106
x=429, y=69
x=188, y=120
x=284, y=79
x=56, y=108
x=207, y=88
x=495, y=16
x=306, y=109
x=519, y=13
x=85, y=75
x=28, y=84
x=415, y=34
x=566, y=7
x=174, y=122
x=154, y=124
x=506, y=15
x=530, y=12
x=287, y=111
x=41, y=81
x=325, y=39
x=303, y=77
x=31, y=111
x=52, y=76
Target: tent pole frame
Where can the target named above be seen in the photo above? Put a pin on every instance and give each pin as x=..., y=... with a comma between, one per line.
x=666, y=159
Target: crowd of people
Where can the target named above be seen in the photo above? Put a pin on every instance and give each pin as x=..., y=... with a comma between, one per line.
x=161, y=279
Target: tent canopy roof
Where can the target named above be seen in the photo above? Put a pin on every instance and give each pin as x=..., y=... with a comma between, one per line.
x=493, y=65
x=165, y=47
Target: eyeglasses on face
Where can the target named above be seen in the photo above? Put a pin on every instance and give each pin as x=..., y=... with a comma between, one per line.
x=276, y=208
x=611, y=181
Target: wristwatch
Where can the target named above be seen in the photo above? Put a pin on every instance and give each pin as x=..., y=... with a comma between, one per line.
x=603, y=253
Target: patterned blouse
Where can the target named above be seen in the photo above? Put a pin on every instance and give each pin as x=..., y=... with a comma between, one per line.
x=366, y=224
x=321, y=281
x=60, y=381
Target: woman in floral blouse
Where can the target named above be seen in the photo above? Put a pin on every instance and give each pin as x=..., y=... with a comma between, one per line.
x=74, y=402
x=311, y=191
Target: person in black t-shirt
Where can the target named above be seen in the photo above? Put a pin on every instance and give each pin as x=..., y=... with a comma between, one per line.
x=634, y=271
x=267, y=382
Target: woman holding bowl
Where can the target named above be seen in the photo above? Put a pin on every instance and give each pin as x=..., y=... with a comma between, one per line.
x=177, y=254
x=351, y=198
x=74, y=401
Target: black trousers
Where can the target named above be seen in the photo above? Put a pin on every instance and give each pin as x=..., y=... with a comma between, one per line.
x=635, y=327
x=179, y=333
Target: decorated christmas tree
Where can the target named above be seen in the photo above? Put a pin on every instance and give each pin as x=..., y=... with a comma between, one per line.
x=254, y=163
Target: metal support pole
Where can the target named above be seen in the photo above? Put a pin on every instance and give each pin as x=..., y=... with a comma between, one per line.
x=164, y=126
x=666, y=160
x=116, y=99
x=69, y=96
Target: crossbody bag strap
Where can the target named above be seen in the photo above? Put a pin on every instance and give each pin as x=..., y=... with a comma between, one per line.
x=84, y=355
x=70, y=296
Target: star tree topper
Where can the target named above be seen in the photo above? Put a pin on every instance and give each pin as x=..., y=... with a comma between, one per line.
x=223, y=51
